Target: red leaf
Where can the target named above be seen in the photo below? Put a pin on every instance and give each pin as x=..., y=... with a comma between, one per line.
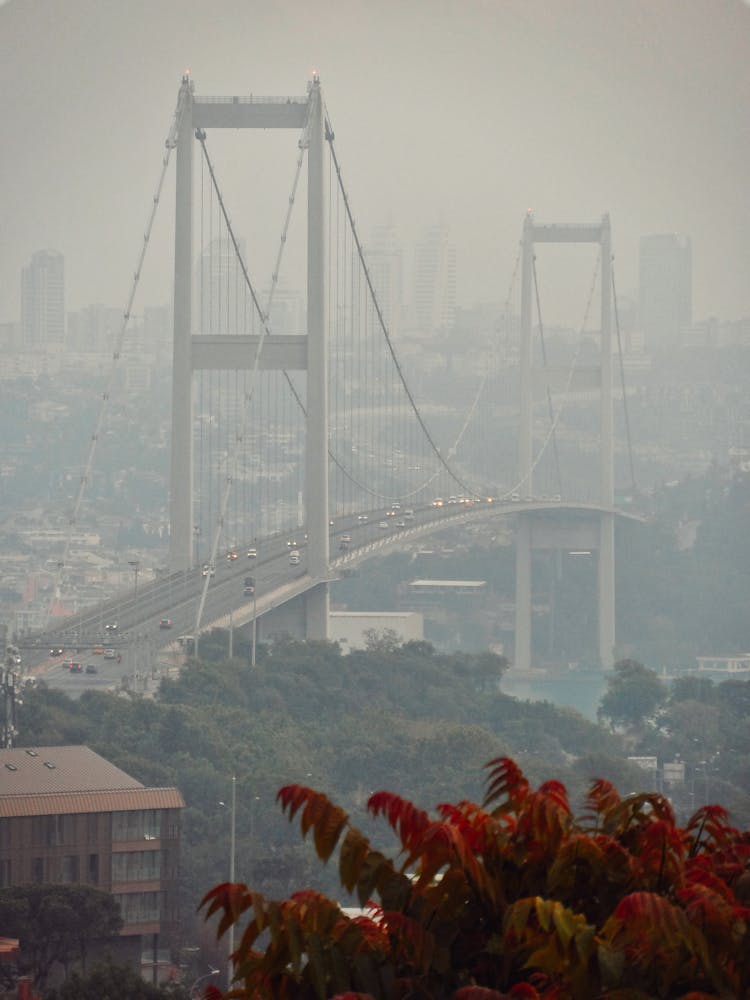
x=483, y=993
x=318, y=813
x=405, y=819
x=602, y=797
x=505, y=781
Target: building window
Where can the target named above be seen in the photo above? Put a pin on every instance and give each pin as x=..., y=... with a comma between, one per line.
x=37, y=870
x=137, y=824
x=138, y=907
x=4, y=833
x=5, y=873
x=59, y=830
x=38, y=831
x=136, y=866
x=93, y=869
x=69, y=872
x=92, y=827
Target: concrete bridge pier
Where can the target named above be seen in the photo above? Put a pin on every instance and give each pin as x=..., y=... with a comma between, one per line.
x=557, y=532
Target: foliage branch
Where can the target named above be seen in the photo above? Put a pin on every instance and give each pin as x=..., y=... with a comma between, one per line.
x=513, y=898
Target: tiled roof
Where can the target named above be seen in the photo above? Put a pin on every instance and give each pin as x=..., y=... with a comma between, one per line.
x=25, y=770
x=45, y=781
x=111, y=800
x=8, y=949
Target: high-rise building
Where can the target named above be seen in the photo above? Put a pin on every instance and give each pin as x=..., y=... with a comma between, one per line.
x=385, y=264
x=435, y=280
x=43, y=301
x=94, y=328
x=223, y=302
x=287, y=315
x=666, y=288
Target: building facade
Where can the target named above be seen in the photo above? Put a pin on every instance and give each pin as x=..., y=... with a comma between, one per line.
x=69, y=817
x=434, y=295
x=43, y=301
x=665, y=289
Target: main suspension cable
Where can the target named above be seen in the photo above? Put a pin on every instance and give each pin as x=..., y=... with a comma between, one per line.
x=573, y=364
x=200, y=135
x=329, y=134
x=170, y=143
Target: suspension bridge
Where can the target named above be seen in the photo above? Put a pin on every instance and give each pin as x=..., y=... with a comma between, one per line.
x=298, y=445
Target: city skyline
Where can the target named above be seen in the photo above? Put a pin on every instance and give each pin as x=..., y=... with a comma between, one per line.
x=652, y=136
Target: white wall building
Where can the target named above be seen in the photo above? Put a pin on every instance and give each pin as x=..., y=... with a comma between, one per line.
x=349, y=627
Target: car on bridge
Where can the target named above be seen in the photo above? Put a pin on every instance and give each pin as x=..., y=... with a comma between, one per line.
x=111, y=627
x=231, y=555
x=56, y=651
x=249, y=587
x=252, y=553
x=109, y=654
x=345, y=542
x=207, y=570
x=75, y=667
x=165, y=623
x=91, y=668
x=294, y=558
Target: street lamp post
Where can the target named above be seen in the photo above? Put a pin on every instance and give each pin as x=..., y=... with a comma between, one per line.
x=232, y=839
x=191, y=992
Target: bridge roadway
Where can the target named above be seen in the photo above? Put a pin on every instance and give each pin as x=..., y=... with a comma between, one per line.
x=137, y=615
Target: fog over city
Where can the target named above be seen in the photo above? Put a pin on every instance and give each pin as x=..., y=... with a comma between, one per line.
x=417, y=439
x=462, y=113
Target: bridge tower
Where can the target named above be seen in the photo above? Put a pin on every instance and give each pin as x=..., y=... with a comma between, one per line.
x=539, y=530
x=197, y=350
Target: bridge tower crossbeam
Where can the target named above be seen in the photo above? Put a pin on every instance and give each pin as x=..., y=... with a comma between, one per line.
x=531, y=533
x=195, y=351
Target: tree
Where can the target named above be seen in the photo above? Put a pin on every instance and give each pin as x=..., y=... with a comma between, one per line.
x=514, y=898
x=633, y=694
x=381, y=640
x=109, y=981
x=56, y=924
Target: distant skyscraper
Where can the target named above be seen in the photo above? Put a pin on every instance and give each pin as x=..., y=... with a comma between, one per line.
x=435, y=280
x=287, y=310
x=43, y=301
x=223, y=301
x=93, y=328
x=666, y=288
x=385, y=264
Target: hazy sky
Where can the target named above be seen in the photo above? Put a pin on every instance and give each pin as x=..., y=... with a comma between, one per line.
x=467, y=112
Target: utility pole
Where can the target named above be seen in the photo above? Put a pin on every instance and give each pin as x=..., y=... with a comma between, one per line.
x=230, y=970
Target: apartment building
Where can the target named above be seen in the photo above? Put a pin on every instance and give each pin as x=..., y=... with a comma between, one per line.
x=68, y=816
